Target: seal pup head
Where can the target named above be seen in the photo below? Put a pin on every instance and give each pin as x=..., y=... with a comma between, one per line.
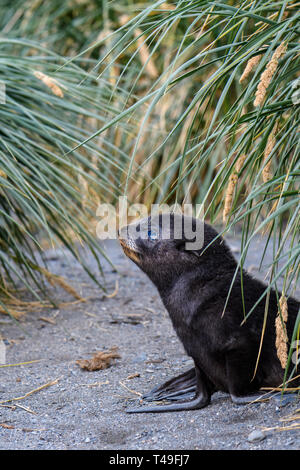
x=165, y=245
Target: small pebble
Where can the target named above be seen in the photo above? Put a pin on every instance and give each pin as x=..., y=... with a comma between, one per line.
x=255, y=436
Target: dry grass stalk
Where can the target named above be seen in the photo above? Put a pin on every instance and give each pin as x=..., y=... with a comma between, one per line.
x=251, y=64
x=48, y=320
x=101, y=360
x=17, y=314
x=95, y=384
x=50, y=83
x=283, y=428
x=130, y=390
x=293, y=417
x=7, y=426
x=26, y=306
x=146, y=59
x=233, y=179
x=114, y=293
x=266, y=173
x=145, y=56
x=167, y=6
x=56, y=280
x=133, y=376
x=281, y=336
x=85, y=190
x=267, y=75
x=206, y=21
x=163, y=6
x=281, y=389
x=48, y=384
x=20, y=363
x=105, y=37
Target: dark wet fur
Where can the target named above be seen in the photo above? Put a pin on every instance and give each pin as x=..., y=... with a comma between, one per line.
x=194, y=287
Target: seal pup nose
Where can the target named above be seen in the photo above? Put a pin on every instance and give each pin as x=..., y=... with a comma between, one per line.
x=129, y=245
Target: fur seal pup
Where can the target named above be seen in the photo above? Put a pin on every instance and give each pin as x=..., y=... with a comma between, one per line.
x=194, y=286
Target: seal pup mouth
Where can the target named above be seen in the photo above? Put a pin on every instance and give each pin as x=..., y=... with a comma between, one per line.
x=129, y=249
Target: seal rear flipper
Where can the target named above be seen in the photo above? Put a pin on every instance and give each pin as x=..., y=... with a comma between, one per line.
x=195, y=404
x=175, y=387
x=187, y=393
x=201, y=399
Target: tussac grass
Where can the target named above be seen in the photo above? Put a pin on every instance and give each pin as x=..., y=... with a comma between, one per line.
x=176, y=135
x=212, y=134
x=43, y=190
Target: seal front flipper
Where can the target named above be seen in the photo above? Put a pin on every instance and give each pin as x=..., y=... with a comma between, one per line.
x=281, y=398
x=247, y=399
x=201, y=399
x=174, y=388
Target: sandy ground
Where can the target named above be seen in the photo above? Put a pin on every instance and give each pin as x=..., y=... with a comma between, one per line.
x=85, y=410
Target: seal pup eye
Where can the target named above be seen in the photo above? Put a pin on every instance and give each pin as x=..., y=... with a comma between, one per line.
x=152, y=235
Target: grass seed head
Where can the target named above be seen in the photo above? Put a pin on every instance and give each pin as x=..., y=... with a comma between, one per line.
x=233, y=179
x=266, y=173
x=268, y=73
x=50, y=83
x=281, y=336
x=251, y=64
